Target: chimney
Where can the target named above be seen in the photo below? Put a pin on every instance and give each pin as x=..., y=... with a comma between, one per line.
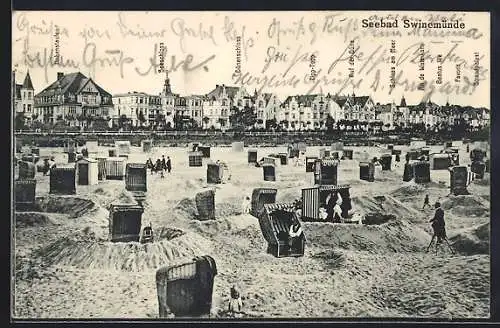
x=59, y=75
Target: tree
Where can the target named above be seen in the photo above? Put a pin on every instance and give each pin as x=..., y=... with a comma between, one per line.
x=178, y=121
x=123, y=121
x=206, y=120
x=222, y=122
x=329, y=122
x=141, y=118
x=271, y=124
x=243, y=119
x=19, y=121
x=100, y=124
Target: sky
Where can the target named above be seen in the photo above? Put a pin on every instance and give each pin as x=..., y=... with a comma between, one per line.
x=286, y=53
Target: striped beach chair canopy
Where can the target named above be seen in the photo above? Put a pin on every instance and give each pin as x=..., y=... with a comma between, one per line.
x=334, y=187
x=136, y=166
x=279, y=206
x=329, y=162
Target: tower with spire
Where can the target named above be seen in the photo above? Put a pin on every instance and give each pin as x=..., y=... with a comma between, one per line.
x=23, y=97
x=168, y=102
x=167, y=89
x=403, y=102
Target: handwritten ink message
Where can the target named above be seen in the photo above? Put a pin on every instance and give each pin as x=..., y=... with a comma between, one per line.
x=299, y=52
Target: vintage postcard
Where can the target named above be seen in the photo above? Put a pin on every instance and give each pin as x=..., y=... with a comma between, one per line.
x=251, y=164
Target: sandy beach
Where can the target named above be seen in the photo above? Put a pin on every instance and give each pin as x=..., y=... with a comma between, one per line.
x=65, y=267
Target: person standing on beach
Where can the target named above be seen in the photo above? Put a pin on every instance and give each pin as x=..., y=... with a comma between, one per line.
x=149, y=165
x=426, y=202
x=163, y=163
x=331, y=201
x=294, y=233
x=169, y=164
x=159, y=167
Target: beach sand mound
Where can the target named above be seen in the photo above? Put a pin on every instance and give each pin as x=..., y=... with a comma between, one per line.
x=466, y=205
x=412, y=188
x=115, y=194
x=395, y=236
x=235, y=226
x=380, y=209
x=32, y=219
x=73, y=206
x=186, y=208
x=125, y=197
x=85, y=252
x=475, y=240
x=229, y=207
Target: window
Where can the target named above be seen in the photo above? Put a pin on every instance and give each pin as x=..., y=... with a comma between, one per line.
x=24, y=108
x=29, y=108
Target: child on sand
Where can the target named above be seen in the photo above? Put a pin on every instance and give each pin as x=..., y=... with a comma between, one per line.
x=246, y=205
x=235, y=300
x=426, y=202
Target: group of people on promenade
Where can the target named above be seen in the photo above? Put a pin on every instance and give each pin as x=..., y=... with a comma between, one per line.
x=161, y=165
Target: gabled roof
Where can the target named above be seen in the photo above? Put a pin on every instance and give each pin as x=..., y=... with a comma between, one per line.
x=433, y=108
x=361, y=101
x=217, y=92
x=70, y=83
x=27, y=84
x=305, y=100
x=340, y=101
x=194, y=97
x=133, y=93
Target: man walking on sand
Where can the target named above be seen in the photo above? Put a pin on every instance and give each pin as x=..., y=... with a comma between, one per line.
x=438, y=226
x=169, y=164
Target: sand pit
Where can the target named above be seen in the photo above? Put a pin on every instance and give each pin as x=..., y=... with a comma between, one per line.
x=235, y=226
x=73, y=206
x=333, y=259
x=32, y=219
x=85, y=252
x=383, y=208
x=411, y=188
x=475, y=240
x=395, y=236
x=467, y=206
